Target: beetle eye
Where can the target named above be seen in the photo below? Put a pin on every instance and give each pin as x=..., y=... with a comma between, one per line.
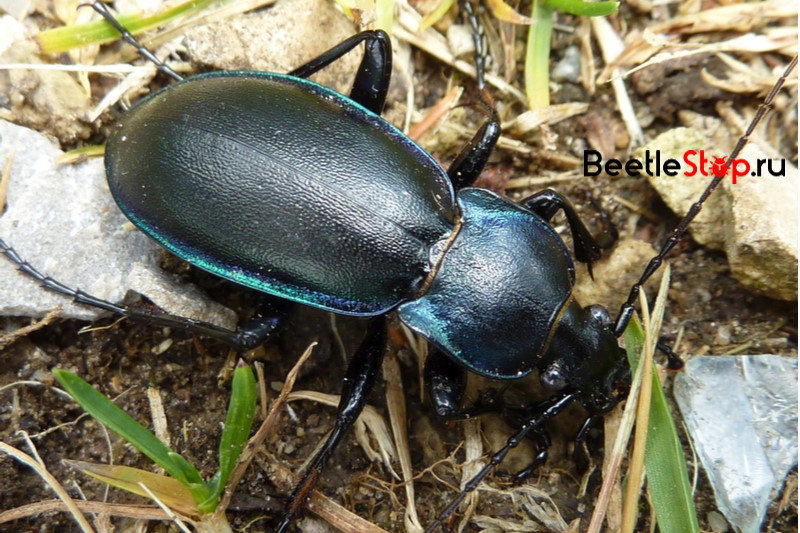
x=553, y=378
x=600, y=314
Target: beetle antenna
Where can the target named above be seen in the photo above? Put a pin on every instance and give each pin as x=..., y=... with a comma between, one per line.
x=128, y=37
x=550, y=409
x=626, y=311
x=479, y=41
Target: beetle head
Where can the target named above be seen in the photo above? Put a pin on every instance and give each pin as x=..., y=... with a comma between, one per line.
x=585, y=359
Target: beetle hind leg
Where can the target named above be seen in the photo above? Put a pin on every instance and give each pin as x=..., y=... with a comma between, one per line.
x=252, y=334
x=128, y=37
x=374, y=73
x=358, y=382
x=468, y=165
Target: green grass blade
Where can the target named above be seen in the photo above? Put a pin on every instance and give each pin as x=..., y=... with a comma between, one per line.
x=667, y=476
x=581, y=8
x=107, y=413
x=537, y=53
x=99, y=31
x=238, y=424
x=537, y=56
x=167, y=490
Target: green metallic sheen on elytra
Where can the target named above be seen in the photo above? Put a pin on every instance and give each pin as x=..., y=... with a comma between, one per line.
x=284, y=186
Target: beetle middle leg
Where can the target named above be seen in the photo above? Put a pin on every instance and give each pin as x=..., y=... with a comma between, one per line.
x=546, y=203
x=358, y=382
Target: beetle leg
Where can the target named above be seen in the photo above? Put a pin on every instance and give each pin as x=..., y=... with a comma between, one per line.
x=546, y=203
x=374, y=73
x=466, y=168
x=580, y=439
x=542, y=439
x=517, y=417
x=131, y=40
x=674, y=361
x=447, y=381
x=358, y=382
x=549, y=409
x=252, y=334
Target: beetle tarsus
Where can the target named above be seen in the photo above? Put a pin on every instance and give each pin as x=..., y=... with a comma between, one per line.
x=253, y=334
x=674, y=361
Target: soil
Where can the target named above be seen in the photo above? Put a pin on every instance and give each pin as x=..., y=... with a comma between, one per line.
x=123, y=359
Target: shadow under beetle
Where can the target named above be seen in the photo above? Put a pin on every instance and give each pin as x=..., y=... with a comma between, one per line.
x=290, y=188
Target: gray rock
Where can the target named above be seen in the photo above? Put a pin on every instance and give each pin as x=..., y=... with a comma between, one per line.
x=279, y=39
x=569, y=68
x=62, y=219
x=741, y=413
x=754, y=220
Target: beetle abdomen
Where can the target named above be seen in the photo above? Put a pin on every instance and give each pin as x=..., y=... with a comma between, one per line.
x=284, y=186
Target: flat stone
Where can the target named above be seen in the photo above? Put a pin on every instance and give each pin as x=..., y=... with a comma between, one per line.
x=62, y=220
x=741, y=413
x=279, y=39
x=761, y=228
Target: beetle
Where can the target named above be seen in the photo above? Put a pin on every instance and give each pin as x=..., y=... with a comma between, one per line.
x=361, y=221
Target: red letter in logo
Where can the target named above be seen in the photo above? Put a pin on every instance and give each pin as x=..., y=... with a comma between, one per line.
x=718, y=167
x=735, y=173
x=687, y=159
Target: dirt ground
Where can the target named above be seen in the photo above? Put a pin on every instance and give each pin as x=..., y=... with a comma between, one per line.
x=122, y=359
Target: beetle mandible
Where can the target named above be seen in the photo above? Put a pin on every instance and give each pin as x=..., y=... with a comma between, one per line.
x=365, y=223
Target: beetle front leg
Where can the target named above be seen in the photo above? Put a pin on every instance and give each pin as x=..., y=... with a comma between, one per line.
x=542, y=439
x=374, y=73
x=466, y=168
x=447, y=382
x=546, y=203
x=358, y=382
